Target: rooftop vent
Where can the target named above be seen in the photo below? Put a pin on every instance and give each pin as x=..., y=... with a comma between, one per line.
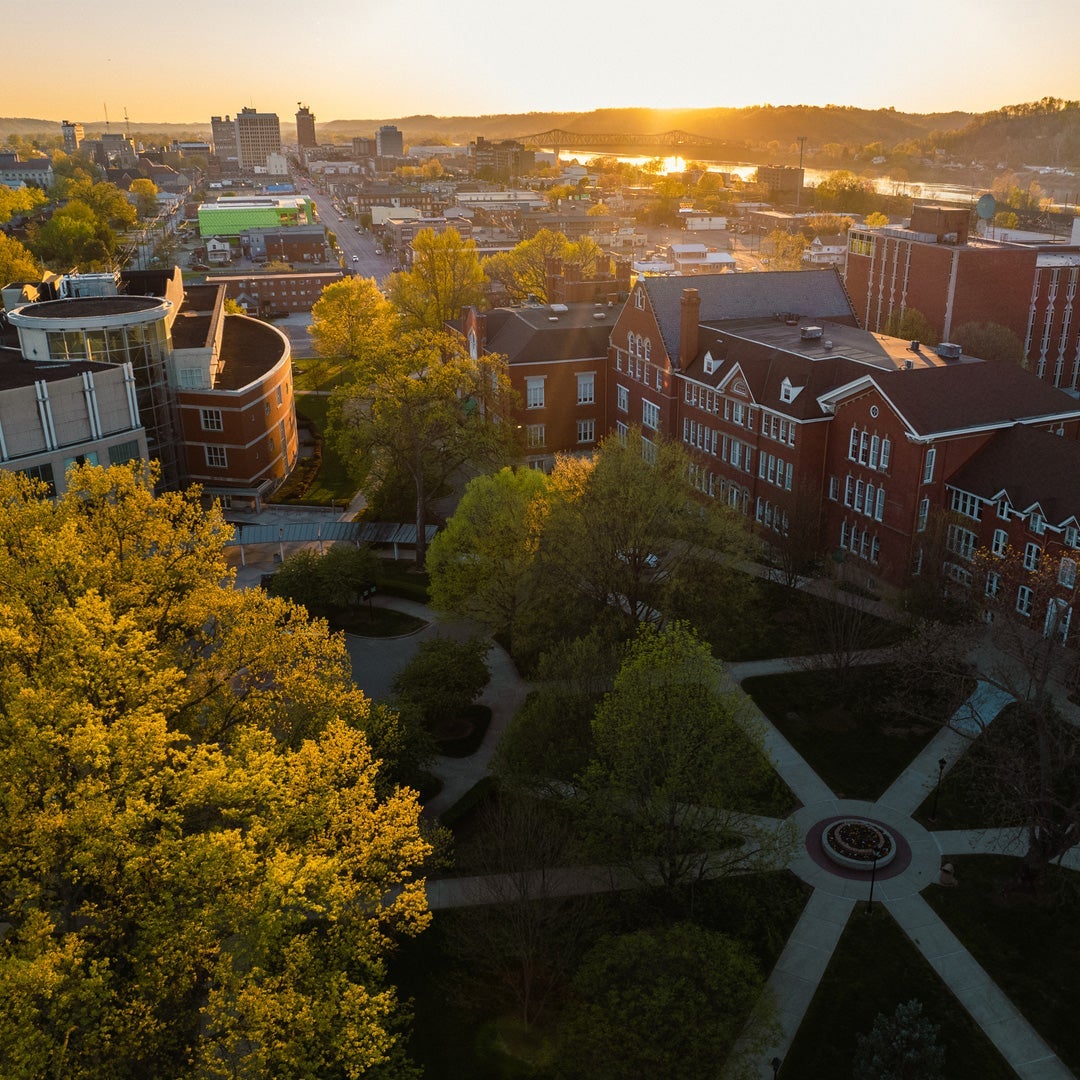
x=559, y=307
x=827, y=345
x=791, y=320
x=553, y=318
x=599, y=315
x=949, y=350
x=914, y=346
x=811, y=333
x=909, y=364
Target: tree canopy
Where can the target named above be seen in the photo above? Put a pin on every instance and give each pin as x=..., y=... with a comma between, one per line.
x=352, y=320
x=16, y=261
x=522, y=272
x=445, y=276
x=202, y=868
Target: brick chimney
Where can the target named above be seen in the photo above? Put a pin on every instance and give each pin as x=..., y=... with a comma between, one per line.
x=688, y=327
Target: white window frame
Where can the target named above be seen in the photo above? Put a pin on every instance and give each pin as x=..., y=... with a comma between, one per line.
x=211, y=420
x=928, y=465
x=535, y=435
x=1000, y=542
x=622, y=397
x=217, y=457
x=1032, y=554
x=534, y=392
x=586, y=431
x=650, y=415
x=586, y=388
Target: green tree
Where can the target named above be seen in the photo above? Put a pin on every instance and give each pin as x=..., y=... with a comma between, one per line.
x=844, y=191
x=145, y=192
x=444, y=677
x=203, y=872
x=331, y=580
x=74, y=236
x=108, y=203
x=445, y=277
x=19, y=201
x=876, y=220
x=481, y=564
x=625, y=530
x=903, y=1046
x=785, y=249
x=912, y=325
x=352, y=320
x=522, y=272
x=425, y=407
x=16, y=261
x=670, y=1001
x=676, y=768
x=990, y=341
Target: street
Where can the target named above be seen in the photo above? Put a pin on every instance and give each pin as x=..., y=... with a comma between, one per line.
x=369, y=262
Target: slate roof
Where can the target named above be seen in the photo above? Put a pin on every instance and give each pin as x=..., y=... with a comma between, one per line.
x=527, y=335
x=815, y=293
x=1031, y=466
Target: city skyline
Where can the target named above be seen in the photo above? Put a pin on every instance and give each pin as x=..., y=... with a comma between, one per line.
x=363, y=60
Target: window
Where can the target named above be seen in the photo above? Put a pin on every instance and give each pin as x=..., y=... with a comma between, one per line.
x=586, y=431
x=1003, y=510
x=127, y=451
x=1023, y=600
x=875, y=451
x=630, y=342
x=648, y=450
x=1031, y=556
x=1067, y=573
x=586, y=389
x=648, y=348
x=966, y=504
x=928, y=466
x=622, y=398
x=534, y=393
x=621, y=430
x=1072, y=536
x=1037, y=524
x=886, y=453
x=961, y=541
x=924, y=515
x=44, y=473
x=650, y=415
x=834, y=488
x=993, y=584
x=639, y=299
x=535, y=435
x=210, y=419
x=216, y=457
x=1000, y=542
x=280, y=396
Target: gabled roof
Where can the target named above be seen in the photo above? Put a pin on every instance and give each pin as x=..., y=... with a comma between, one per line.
x=938, y=400
x=534, y=334
x=1032, y=466
x=816, y=293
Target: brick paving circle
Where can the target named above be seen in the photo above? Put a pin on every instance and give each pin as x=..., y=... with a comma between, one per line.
x=893, y=869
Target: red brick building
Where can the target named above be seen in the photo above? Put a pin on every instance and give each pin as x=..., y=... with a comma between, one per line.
x=274, y=294
x=933, y=266
x=784, y=403
x=557, y=356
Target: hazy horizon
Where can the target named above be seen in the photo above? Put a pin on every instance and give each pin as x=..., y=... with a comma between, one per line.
x=362, y=59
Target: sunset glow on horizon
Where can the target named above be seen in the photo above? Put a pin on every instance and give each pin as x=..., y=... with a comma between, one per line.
x=364, y=59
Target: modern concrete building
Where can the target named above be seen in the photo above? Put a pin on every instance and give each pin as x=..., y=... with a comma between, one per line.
x=305, y=128
x=257, y=136
x=389, y=142
x=213, y=391
x=73, y=136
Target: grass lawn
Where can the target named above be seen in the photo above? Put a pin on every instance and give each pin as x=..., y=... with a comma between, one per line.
x=453, y=1040
x=959, y=803
x=331, y=482
x=791, y=623
x=373, y=621
x=846, y=733
x=314, y=373
x=400, y=577
x=874, y=969
x=1028, y=942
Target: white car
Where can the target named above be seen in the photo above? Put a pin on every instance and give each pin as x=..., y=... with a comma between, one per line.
x=356, y=258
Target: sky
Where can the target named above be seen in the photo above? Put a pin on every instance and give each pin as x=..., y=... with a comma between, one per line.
x=381, y=59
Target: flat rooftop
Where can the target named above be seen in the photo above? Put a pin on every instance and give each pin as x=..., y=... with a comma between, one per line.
x=249, y=349
x=16, y=372
x=875, y=350
x=89, y=307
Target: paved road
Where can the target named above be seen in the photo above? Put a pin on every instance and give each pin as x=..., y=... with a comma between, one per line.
x=369, y=263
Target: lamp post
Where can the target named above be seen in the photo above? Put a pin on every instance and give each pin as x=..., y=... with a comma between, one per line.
x=937, y=787
x=878, y=852
x=775, y=1063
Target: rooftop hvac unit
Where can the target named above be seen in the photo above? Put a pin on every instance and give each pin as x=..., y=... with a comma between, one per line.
x=949, y=350
x=909, y=365
x=811, y=333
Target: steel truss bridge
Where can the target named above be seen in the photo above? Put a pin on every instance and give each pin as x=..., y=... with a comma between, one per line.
x=675, y=141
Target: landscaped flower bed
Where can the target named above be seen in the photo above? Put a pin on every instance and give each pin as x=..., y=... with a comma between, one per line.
x=857, y=843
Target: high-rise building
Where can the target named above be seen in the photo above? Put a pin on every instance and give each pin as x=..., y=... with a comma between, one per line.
x=389, y=142
x=257, y=135
x=73, y=136
x=223, y=136
x=305, y=127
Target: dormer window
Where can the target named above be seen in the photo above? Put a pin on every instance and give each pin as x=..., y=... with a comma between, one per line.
x=710, y=363
x=1037, y=524
x=788, y=393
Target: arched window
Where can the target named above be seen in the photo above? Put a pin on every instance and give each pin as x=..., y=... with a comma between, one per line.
x=640, y=347
x=648, y=348
x=630, y=342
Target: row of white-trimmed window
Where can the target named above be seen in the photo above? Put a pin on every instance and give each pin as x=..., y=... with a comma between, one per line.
x=650, y=415
x=701, y=397
x=738, y=454
x=966, y=504
x=739, y=413
x=863, y=496
x=636, y=345
x=873, y=451
x=638, y=367
x=704, y=438
x=778, y=428
x=775, y=470
x=772, y=517
x=859, y=541
x=704, y=480
x=961, y=541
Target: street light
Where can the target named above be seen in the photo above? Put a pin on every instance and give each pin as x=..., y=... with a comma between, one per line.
x=937, y=787
x=775, y=1063
x=878, y=852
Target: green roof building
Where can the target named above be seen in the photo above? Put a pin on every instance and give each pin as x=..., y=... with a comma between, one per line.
x=231, y=217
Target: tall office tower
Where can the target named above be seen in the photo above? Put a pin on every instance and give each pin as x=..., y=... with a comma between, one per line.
x=73, y=136
x=388, y=142
x=305, y=127
x=223, y=136
x=257, y=136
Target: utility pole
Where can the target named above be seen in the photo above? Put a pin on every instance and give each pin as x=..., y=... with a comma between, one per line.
x=801, y=140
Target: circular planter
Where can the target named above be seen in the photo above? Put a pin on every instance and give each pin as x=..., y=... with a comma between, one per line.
x=852, y=842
